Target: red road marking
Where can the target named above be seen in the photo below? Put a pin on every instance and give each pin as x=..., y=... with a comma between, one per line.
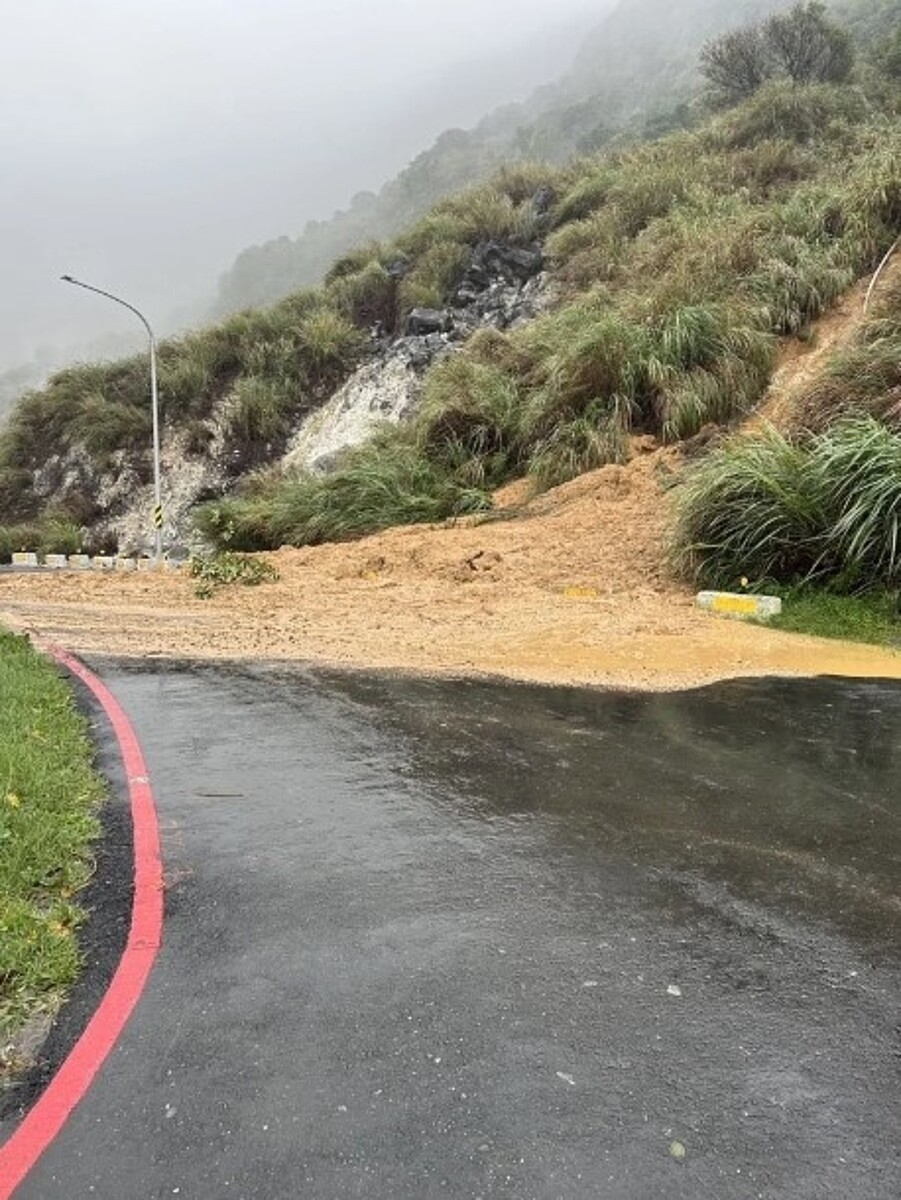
x=72, y=1080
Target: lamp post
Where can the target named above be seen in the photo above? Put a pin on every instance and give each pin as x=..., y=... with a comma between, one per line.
x=154, y=398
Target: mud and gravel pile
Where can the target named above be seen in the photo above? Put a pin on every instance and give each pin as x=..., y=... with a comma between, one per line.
x=569, y=587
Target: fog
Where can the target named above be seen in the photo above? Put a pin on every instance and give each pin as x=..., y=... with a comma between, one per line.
x=144, y=145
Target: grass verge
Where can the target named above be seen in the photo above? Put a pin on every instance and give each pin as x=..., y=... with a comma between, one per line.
x=872, y=618
x=49, y=799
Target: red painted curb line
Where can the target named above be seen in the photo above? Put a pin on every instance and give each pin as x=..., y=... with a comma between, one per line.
x=72, y=1080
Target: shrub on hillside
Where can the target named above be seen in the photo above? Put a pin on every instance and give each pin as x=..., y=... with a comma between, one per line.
x=827, y=507
x=432, y=281
x=801, y=115
x=53, y=535
x=367, y=296
x=329, y=343
x=802, y=45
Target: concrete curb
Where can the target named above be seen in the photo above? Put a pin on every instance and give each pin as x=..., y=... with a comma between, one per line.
x=29, y=560
x=47, y=1117
x=734, y=604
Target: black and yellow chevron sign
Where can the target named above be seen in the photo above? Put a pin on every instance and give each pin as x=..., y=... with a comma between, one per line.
x=158, y=516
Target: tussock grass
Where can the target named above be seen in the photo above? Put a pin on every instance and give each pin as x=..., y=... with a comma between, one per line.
x=578, y=445
x=385, y=482
x=367, y=296
x=824, y=508
x=329, y=342
x=816, y=112
x=49, y=797
x=432, y=281
x=260, y=410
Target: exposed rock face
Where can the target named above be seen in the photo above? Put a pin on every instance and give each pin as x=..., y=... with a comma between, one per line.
x=185, y=479
x=390, y=388
x=503, y=287
x=386, y=390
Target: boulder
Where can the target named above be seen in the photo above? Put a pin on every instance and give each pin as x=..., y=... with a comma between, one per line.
x=424, y=321
x=492, y=260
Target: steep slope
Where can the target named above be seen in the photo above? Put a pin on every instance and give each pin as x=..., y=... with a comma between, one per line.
x=664, y=276
x=569, y=586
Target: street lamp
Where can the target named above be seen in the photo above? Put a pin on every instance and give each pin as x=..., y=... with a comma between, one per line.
x=154, y=398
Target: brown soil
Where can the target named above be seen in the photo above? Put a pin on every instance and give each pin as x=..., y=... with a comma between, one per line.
x=801, y=361
x=570, y=588
x=567, y=587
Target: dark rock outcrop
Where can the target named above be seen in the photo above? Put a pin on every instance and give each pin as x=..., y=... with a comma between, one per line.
x=425, y=321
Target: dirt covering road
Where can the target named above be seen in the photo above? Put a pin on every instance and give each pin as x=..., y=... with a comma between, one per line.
x=571, y=588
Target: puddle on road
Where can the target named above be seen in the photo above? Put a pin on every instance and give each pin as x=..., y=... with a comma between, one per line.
x=785, y=791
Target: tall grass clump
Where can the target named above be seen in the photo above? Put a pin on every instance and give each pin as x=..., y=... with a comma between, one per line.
x=329, y=343
x=367, y=296
x=385, y=482
x=259, y=411
x=469, y=423
x=751, y=509
x=857, y=465
x=432, y=281
x=824, y=508
x=803, y=115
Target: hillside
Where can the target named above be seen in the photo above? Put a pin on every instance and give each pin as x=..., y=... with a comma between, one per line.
x=636, y=76
x=570, y=586
x=537, y=327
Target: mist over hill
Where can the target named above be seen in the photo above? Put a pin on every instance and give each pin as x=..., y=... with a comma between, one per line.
x=633, y=76
x=145, y=145
x=623, y=72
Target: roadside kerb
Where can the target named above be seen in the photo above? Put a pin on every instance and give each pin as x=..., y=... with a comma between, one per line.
x=736, y=604
x=70, y=1083
x=84, y=562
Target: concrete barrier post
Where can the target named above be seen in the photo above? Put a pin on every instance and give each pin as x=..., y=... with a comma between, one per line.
x=732, y=604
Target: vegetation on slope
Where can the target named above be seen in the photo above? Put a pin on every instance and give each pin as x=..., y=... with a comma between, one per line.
x=49, y=796
x=681, y=262
x=633, y=77
x=684, y=261
x=819, y=503
x=248, y=380
x=636, y=77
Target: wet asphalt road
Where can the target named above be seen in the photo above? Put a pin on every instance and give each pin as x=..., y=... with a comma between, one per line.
x=431, y=939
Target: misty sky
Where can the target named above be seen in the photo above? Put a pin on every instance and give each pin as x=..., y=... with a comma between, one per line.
x=144, y=144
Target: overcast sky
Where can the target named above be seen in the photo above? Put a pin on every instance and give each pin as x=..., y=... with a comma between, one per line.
x=144, y=144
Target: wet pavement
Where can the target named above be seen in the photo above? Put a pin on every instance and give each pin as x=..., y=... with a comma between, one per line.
x=437, y=939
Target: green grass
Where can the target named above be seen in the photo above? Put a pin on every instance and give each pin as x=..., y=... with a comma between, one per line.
x=214, y=571
x=823, y=507
x=384, y=482
x=49, y=798
x=50, y=535
x=874, y=619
